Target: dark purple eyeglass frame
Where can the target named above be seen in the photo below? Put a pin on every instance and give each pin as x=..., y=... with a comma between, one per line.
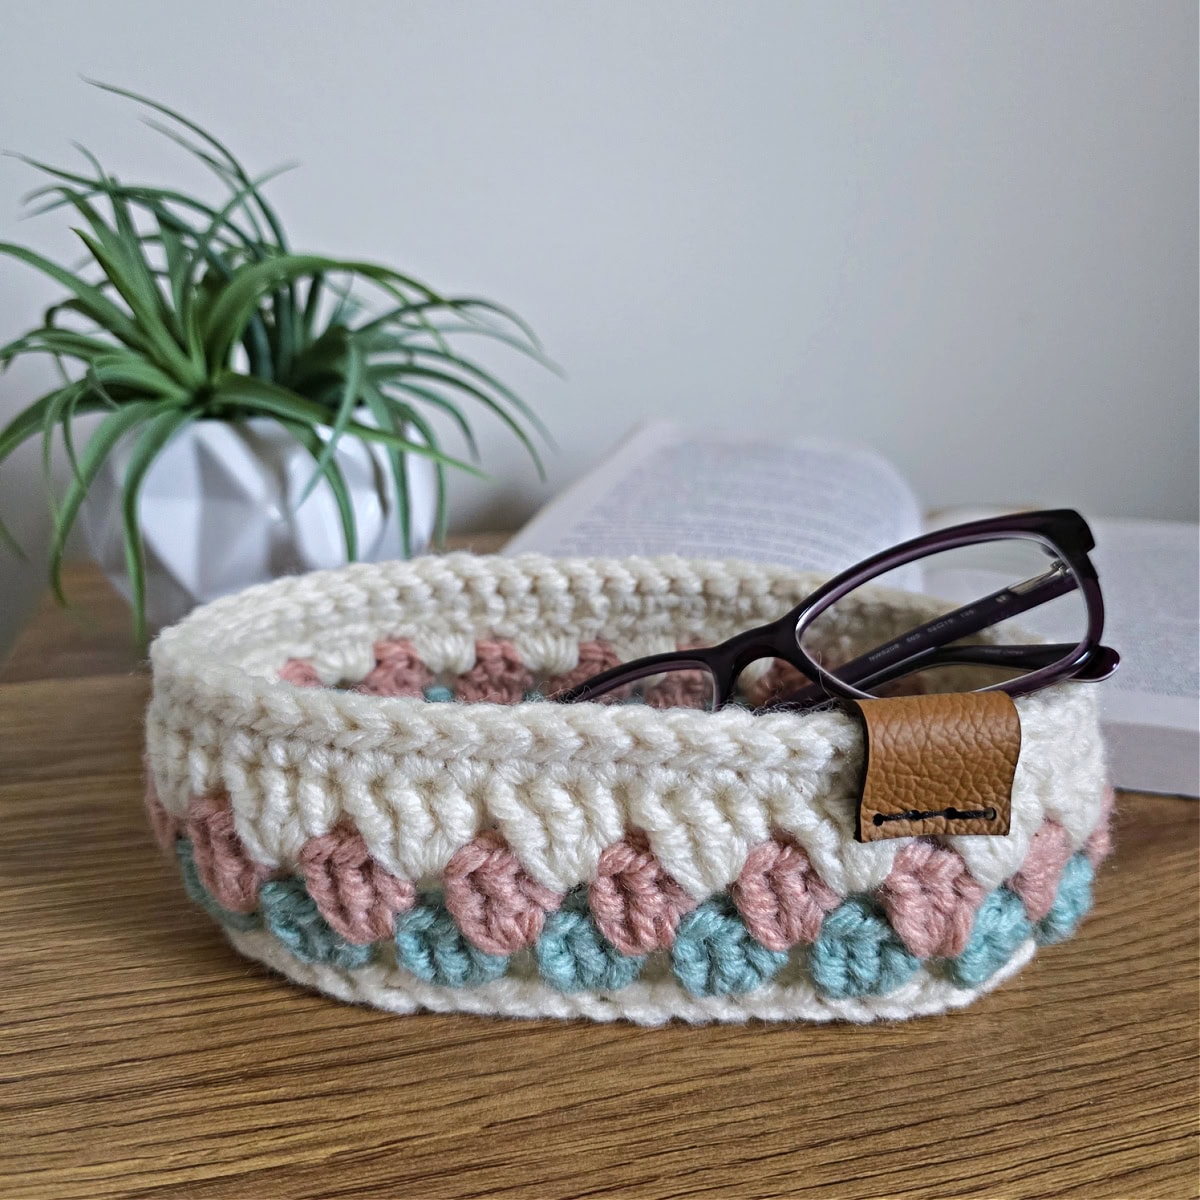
x=1062, y=532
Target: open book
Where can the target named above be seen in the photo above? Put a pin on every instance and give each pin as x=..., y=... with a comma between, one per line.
x=821, y=506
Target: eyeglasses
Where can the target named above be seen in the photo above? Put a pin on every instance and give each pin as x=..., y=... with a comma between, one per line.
x=849, y=640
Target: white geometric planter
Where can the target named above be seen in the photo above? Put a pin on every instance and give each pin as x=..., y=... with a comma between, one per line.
x=218, y=513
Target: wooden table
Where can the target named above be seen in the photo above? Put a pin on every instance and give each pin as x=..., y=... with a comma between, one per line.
x=142, y=1057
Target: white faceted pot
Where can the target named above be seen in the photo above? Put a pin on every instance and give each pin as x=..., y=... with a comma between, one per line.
x=219, y=512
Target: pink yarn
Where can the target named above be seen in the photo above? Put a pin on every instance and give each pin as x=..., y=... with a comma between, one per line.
x=1037, y=880
x=301, y=672
x=162, y=824
x=681, y=689
x=636, y=904
x=353, y=892
x=497, y=906
x=498, y=677
x=931, y=899
x=225, y=868
x=1099, y=845
x=781, y=898
x=780, y=679
x=594, y=657
x=398, y=671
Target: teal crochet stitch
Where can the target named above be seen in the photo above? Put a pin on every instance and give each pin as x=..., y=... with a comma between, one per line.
x=1071, y=902
x=291, y=914
x=857, y=953
x=431, y=946
x=199, y=894
x=573, y=955
x=1000, y=928
x=716, y=955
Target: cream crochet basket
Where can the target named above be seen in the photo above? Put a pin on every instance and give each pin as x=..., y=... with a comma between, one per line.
x=328, y=762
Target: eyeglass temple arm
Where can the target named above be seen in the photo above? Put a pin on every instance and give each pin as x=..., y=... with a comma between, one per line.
x=893, y=657
x=1101, y=664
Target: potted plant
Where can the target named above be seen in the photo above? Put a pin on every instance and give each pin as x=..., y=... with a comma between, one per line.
x=214, y=362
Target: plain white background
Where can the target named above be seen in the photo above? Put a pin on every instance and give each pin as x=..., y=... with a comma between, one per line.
x=964, y=233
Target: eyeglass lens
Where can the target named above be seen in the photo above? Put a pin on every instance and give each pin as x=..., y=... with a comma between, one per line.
x=963, y=640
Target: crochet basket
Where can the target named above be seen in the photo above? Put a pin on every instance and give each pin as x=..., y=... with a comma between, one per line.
x=359, y=782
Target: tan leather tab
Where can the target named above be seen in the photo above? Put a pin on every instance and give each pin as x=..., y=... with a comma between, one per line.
x=938, y=764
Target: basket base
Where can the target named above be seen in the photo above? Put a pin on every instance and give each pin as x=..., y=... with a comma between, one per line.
x=644, y=1003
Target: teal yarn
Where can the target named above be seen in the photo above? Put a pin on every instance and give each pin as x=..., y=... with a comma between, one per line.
x=199, y=894
x=716, y=955
x=431, y=946
x=1001, y=928
x=1071, y=902
x=573, y=955
x=291, y=914
x=857, y=953
x=438, y=694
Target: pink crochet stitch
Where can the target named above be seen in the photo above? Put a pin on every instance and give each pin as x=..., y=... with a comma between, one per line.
x=222, y=863
x=779, y=679
x=1099, y=844
x=781, y=898
x=636, y=904
x=162, y=824
x=353, y=892
x=931, y=899
x=398, y=671
x=301, y=672
x=1037, y=880
x=499, y=675
x=498, y=907
x=594, y=657
x=681, y=689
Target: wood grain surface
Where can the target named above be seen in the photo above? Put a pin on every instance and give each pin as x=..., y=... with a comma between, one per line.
x=142, y=1057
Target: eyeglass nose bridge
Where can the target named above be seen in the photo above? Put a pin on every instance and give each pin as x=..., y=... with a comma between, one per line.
x=774, y=641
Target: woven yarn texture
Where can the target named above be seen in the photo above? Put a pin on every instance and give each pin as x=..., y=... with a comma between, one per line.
x=359, y=779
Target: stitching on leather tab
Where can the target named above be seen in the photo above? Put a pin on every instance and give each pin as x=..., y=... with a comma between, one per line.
x=951, y=814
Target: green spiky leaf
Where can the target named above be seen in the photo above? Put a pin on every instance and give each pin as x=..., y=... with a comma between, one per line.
x=101, y=444
x=153, y=439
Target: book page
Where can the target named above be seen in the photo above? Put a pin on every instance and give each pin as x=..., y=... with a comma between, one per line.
x=809, y=505
x=1150, y=572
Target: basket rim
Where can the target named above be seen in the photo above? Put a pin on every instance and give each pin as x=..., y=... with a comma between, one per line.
x=199, y=660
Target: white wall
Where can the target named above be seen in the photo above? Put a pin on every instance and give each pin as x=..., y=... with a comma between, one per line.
x=962, y=232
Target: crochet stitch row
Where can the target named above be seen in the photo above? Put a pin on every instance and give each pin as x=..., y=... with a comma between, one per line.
x=341, y=907
x=499, y=675
x=713, y=951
